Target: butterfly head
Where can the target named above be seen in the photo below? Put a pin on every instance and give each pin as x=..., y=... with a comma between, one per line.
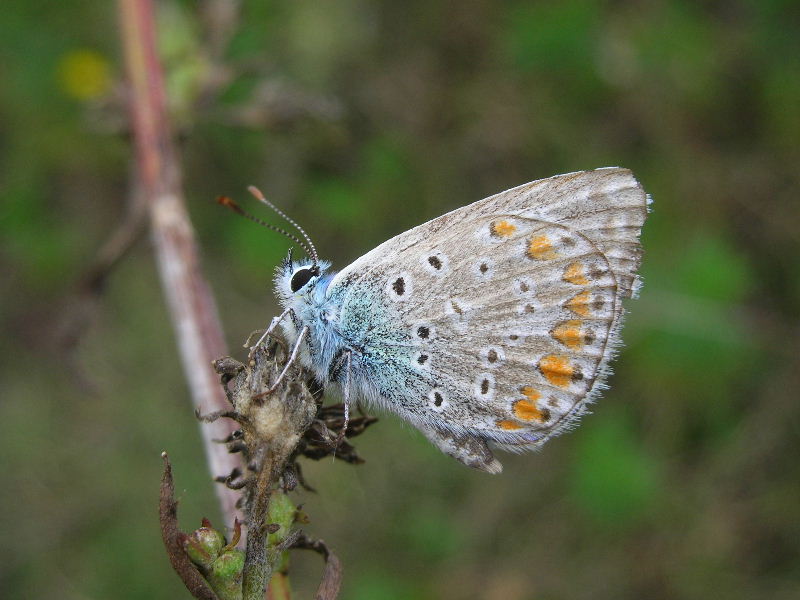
x=294, y=279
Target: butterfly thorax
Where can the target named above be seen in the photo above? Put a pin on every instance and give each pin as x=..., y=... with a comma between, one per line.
x=311, y=309
x=348, y=325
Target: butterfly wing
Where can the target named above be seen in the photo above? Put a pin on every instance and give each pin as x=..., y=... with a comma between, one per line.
x=497, y=320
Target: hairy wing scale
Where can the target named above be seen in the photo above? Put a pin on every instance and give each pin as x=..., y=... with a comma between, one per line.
x=512, y=351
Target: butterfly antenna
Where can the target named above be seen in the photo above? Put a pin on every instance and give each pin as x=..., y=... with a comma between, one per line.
x=229, y=203
x=260, y=197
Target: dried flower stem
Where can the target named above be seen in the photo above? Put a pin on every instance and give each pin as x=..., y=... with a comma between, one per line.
x=191, y=305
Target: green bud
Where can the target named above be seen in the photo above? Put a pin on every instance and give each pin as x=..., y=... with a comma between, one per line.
x=204, y=545
x=229, y=565
x=209, y=540
x=282, y=512
x=225, y=577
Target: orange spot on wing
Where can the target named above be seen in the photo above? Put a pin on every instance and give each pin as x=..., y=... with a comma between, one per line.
x=579, y=304
x=569, y=333
x=556, y=369
x=530, y=393
x=541, y=248
x=527, y=410
x=574, y=274
x=502, y=229
x=508, y=425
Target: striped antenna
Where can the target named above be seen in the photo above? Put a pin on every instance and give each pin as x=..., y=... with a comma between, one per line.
x=260, y=197
x=229, y=203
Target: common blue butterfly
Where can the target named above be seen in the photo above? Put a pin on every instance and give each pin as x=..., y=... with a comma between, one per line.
x=493, y=324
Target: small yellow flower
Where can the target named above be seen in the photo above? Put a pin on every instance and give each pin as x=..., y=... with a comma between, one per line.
x=84, y=74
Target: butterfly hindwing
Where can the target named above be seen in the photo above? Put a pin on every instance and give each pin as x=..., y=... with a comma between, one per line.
x=497, y=320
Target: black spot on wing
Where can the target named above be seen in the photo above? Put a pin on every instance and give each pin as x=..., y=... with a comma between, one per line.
x=399, y=286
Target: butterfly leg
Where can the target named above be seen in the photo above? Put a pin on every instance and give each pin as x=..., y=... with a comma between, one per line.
x=348, y=361
x=273, y=324
x=289, y=363
x=470, y=450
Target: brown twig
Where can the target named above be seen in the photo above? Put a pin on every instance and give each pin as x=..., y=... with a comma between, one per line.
x=258, y=566
x=173, y=538
x=332, y=576
x=191, y=304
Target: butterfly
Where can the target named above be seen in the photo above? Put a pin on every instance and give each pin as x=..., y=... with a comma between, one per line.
x=491, y=326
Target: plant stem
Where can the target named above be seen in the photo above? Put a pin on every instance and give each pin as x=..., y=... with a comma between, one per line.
x=192, y=308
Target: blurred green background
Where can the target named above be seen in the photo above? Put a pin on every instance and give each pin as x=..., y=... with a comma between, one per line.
x=361, y=119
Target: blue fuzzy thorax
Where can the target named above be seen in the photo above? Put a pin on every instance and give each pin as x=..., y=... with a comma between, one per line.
x=310, y=307
x=346, y=319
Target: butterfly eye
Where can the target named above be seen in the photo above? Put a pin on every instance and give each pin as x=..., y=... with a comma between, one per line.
x=301, y=278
